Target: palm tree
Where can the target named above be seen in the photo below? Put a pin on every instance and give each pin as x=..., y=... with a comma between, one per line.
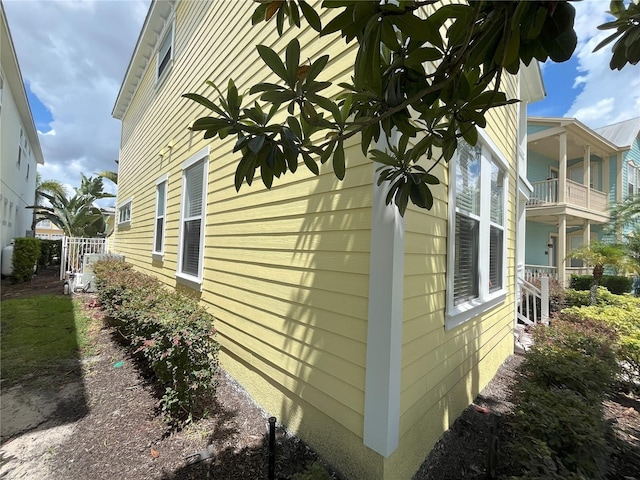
x=109, y=175
x=601, y=255
x=51, y=187
x=76, y=216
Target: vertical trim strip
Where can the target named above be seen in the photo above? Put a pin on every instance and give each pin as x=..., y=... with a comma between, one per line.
x=384, y=330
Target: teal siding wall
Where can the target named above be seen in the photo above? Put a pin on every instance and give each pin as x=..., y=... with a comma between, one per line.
x=537, y=237
x=538, y=167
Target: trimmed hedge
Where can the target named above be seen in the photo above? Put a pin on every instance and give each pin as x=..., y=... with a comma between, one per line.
x=26, y=252
x=50, y=250
x=616, y=284
x=559, y=428
x=168, y=330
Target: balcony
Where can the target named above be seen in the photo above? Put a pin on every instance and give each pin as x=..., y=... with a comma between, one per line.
x=545, y=194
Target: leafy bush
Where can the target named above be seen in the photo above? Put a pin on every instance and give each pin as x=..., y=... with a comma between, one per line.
x=577, y=298
x=169, y=330
x=622, y=315
x=50, y=250
x=616, y=284
x=559, y=430
x=580, y=282
x=26, y=252
x=559, y=435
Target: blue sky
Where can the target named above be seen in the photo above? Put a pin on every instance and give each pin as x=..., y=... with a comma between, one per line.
x=73, y=56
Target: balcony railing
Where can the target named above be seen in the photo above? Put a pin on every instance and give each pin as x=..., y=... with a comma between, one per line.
x=546, y=193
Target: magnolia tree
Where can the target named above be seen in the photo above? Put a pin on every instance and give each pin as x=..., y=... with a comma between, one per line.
x=468, y=48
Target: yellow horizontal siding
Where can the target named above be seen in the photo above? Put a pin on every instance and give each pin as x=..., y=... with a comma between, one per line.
x=286, y=270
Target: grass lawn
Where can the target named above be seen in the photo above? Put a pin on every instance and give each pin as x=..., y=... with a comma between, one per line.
x=41, y=333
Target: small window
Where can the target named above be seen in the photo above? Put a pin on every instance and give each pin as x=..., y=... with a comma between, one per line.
x=124, y=213
x=28, y=169
x=194, y=194
x=161, y=207
x=165, y=52
x=477, y=250
x=1, y=87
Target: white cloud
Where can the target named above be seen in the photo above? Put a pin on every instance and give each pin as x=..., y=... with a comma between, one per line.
x=74, y=56
x=607, y=96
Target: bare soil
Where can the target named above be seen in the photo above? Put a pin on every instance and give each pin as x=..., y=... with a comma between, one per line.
x=104, y=423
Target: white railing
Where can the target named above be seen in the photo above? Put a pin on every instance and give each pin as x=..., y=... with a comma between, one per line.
x=532, y=297
x=546, y=193
x=75, y=248
x=532, y=272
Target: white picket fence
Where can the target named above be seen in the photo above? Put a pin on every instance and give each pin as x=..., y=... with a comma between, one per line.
x=75, y=248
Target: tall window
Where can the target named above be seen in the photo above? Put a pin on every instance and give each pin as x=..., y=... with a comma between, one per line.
x=476, y=251
x=633, y=180
x=194, y=177
x=161, y=206
x=21, y=147
x=165, y=52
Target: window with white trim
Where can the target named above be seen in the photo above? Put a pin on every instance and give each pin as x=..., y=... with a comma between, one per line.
x=192, y=213
x=161, y=207
x=21, y=147
x=165, y=53
x=124, y=213
x=477, y=246
x=633, y=179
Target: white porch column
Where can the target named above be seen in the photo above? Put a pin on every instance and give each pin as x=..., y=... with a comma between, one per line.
x=586, y=173
x=586, y=238
x=562, y=180
x=562, y=249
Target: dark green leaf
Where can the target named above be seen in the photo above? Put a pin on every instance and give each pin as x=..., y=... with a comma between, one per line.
x=310, y=14
x=273, y=61
x=293, y=60
x=338, y=161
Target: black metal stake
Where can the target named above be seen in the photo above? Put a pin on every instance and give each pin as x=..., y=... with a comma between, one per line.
x=272, y=448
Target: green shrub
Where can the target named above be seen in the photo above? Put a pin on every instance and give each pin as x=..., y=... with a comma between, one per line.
x=577, y=356
x=26, y=252
x=623, y=315
x=616, y=284
x=559, y=430
x=168, y=330
x=49, y=251
x=577, y=298
x=580, y=282
x=558, y=434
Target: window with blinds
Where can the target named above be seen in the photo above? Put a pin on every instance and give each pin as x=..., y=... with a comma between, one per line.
x=161, y=194
x=477, y=256
x=467, y=222
x=194, y=173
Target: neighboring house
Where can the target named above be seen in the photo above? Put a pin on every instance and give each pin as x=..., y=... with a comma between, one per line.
x=20, y=151
x=626, y=135
x=365, y=333
x=575, y=175
x=47, y=230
